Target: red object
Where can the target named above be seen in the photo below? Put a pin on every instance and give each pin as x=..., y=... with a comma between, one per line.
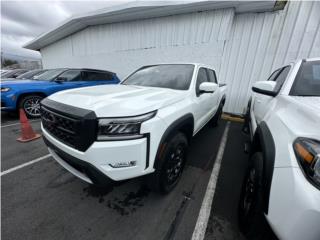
x=27, y=133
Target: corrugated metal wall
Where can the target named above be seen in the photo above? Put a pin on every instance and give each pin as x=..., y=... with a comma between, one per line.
x=123, y=47
x=242, y=48
x=261, y=43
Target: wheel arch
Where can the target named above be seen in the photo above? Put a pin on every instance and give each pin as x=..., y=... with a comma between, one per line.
x=263, y=142
x=184, y=124
x=223, y=99
x=22, y=95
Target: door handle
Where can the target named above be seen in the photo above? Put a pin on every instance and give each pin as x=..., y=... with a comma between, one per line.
x=259, y=101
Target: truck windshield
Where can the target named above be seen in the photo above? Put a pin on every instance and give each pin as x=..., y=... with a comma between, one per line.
x=174, y=76
x=49, y=75
x=307, y=82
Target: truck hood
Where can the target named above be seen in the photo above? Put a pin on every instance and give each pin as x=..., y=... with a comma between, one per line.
x=301, y=115
x=119, y=100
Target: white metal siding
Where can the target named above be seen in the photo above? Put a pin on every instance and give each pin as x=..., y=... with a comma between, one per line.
x=263, y=42
x=243, y=48
x=123, y=47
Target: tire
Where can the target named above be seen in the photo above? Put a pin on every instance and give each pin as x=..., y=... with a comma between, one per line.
x=246, y=127
x=215, y=120
x=251, y=198
x=169, y=166
x=31, y=105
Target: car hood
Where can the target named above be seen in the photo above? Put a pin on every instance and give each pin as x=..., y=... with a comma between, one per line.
x=301, y=115
x=119, y=100
x=19, y=83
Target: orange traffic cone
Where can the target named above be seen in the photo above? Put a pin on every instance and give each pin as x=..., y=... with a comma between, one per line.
x=27, y=133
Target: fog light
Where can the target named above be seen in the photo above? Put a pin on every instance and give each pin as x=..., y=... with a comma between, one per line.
x=124, y=164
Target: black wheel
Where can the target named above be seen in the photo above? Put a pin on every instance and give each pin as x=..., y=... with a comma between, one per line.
x=31, y=105
x=215, y=120
x=170, y=164
x=251, y=199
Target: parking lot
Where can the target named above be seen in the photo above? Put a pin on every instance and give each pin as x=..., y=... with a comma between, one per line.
x=44, y=201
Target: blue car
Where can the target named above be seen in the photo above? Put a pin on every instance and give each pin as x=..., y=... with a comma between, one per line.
x=27, y=94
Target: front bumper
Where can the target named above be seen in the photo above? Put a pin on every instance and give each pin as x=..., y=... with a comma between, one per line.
x=99, y=156
x=8, y=101
x=294, y=206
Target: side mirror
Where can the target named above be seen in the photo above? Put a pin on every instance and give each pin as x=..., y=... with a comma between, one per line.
x=208, y=87
x=60, y=79
x=265, y=88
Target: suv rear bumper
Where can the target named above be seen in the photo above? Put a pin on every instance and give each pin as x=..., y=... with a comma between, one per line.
x=94, y=165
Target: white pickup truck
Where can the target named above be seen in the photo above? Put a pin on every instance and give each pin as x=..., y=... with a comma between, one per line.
x=283, y=179
x=141, y=126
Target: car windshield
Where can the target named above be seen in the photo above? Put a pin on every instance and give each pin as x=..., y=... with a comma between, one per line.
x=12, y=73
x=307, y=82
x=49, y=75
x=174, y=76
x=30, y=74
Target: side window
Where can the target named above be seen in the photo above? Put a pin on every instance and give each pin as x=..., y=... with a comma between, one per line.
x=281, y=78
x=71, y=75
x=202, y=77
x=97, y=76
x=274, y=75
x=212, y=76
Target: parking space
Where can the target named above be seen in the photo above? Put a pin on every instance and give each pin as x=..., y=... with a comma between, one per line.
x=14, y=153
x=44, y=201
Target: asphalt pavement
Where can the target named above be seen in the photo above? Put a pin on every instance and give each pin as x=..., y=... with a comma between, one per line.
x=44, y=201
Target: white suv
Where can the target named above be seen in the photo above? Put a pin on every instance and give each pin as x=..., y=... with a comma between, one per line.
x=283, y=178
x=139, y=127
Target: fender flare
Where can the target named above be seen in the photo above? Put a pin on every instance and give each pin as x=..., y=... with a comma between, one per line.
x=267, y=147
x=223, y=99
x=182, y=123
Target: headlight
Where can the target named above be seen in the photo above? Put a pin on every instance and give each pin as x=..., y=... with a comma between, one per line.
x=308, y=155
x=5, y=89
x=122, y=128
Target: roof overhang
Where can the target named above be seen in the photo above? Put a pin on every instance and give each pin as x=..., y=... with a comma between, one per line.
x=142, y=10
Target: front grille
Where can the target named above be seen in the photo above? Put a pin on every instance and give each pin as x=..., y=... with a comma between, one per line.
x=75, y=127
x=61, y=127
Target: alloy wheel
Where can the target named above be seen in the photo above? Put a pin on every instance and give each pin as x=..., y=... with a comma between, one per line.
x=175, y=165
x=249, y=192
x=32, y=106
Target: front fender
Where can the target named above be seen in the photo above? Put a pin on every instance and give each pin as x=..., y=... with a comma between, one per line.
x=264, y=142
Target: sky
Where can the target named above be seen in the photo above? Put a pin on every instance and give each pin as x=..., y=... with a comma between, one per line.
x=22, y=21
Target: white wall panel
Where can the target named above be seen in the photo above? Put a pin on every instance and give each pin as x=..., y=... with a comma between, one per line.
x=263, y=42
x=179, y=30
x=123, y=47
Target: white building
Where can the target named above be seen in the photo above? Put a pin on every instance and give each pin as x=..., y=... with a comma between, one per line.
x=243, y=41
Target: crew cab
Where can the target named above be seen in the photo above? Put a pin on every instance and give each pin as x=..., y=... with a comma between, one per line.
x=141, y=126
x=283, y=179
x=27, y=94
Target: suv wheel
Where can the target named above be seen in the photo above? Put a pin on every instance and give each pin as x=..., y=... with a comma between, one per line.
x=31, y=105
x=251, y=198
x=170, y=164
